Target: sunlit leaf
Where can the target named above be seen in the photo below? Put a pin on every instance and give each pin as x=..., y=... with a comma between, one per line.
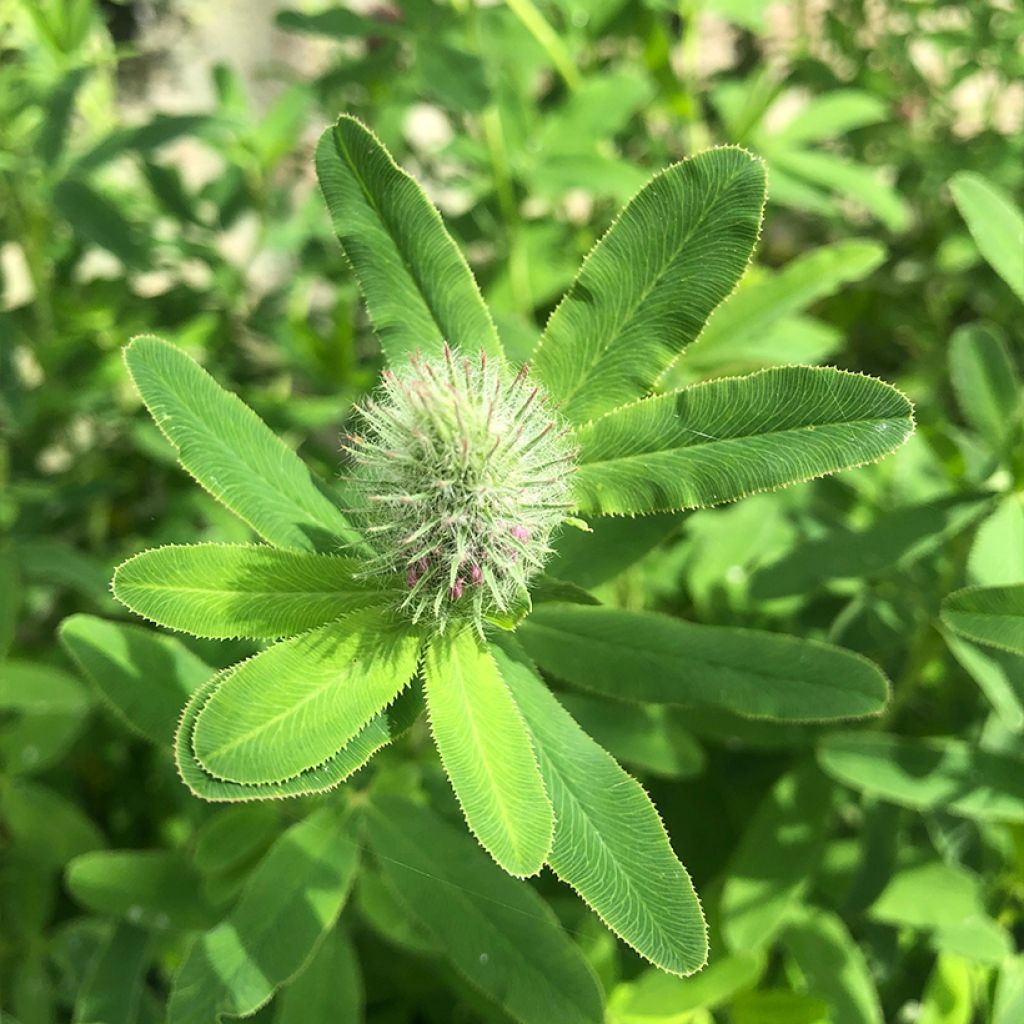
x=610, y=844
x=928, y=774
x=995, y=223
x=727, y=438
x=988, y=615
x=231, y=590
x=299, y=702
x=418, y=288
x=486, y=751
x=291, y=900
x=648, y=287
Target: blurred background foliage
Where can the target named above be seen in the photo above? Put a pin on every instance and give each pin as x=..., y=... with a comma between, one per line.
x=156, y=175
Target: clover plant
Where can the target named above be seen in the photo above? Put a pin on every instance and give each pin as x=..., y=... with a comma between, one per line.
x=422, y=578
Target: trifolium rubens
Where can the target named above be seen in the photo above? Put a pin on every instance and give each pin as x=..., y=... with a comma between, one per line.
x=461, y=474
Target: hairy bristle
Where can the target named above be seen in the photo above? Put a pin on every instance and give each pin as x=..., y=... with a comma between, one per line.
x=461, y=474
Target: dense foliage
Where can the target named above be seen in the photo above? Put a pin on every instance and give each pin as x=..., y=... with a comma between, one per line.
x=820, y=688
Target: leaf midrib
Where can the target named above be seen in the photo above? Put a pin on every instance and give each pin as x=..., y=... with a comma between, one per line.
x=703, y=444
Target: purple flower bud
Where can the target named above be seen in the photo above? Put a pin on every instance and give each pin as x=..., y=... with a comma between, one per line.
x=520, y=532
x=456, y=590
x=476, y=574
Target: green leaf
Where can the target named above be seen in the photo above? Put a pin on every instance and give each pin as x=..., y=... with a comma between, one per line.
x=328, y=989
x=645, y=736
x=988, y=615
x=589, y=559
x=648, y=287
x=997, y=552
x=833, y=114
x=299, y=702
x=112, y=990
x=152, y=888
x=776, y=858
x=10, y=598
x=610, y=844
x=233, y=837
x=232, y=453
x=497, y=932
x=418, y=288
x=659, y=998
x=727, y=438
x=985, y=381
x=46, y=826
x=142, y=676
x=928, y=774
x=949, y=993
x=1000, y=676
x=97, y=219
x=42, y=710
x=232, y=590
x=378, y=732
x=737, y=331
x=895, y=539
x=643, y=656
x=833, y=966
x=486, y=751
x=995, y=223
x=1008, y=1007
x=289, y=903
x=958, y=922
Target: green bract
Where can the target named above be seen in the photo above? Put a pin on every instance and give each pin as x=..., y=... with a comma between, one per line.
x=404, y=591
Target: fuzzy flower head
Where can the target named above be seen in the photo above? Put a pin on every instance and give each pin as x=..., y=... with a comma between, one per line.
x=462, y=473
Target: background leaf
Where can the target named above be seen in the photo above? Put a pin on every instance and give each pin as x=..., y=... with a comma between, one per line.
x=995, y=223
x=928, y=774
x=497, y=932
x=289, y=903
x=989, y=615
x=646, y=657
x=142, y=676
x=724, y=439
x=986, y=382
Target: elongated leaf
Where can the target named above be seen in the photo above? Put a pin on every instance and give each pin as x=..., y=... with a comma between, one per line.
x=727, y=438
x=230, y=590
x=997, y=553
x=42, y=710
x=299, y=702
x=659, y=998
x=646, y=290
x=291, y=900
x=152, y=888
x=833, y=114
x=378, y=732
x=113, y=986
x=986, y=382
x=142, y=676
x=895, y=539
x=995, y=223
x=328, y=989
x=610, y=844
x=833, y=966
x=232, y=453
x=418, y=289
x=486, y=751
x=776, y=858
x=928, y=774
x=999, y=674
x=988, y=615
x=236, y=835
x=499, y=933
x=46, y=826
x=652, y=658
